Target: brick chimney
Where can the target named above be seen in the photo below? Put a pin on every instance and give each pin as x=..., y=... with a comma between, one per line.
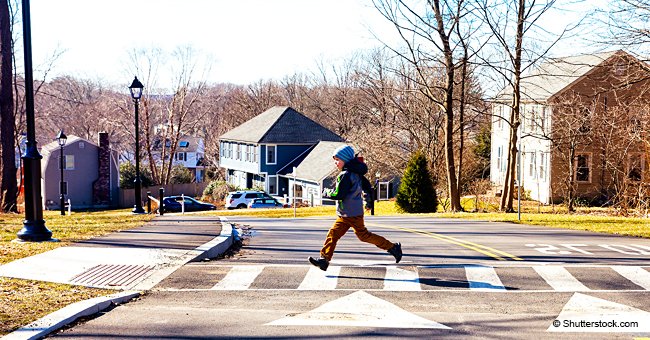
x=101, y=187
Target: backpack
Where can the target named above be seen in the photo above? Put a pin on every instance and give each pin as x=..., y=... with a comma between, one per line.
x=367, y=189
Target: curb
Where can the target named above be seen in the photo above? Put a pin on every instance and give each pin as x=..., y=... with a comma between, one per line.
x=68, y=314
x=219, y=244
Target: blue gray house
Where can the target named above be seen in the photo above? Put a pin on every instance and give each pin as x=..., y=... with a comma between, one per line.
x=264, y=151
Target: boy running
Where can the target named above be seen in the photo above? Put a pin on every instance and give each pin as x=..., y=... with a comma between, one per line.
x=349, y=208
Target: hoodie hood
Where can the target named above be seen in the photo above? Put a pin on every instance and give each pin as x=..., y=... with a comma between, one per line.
x=356, y=166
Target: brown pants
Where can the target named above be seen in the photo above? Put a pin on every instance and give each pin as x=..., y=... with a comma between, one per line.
x=341, y=226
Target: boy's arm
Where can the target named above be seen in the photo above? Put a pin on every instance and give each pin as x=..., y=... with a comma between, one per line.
x=343, y=184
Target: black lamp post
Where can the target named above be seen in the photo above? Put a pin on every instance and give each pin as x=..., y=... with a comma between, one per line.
x=62, y=138
x=34, y=229
x=136, y=92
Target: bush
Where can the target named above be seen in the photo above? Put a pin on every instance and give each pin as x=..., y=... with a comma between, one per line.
x=217, y=190
x=180, y=175
x=127, y=176
x=416, y=193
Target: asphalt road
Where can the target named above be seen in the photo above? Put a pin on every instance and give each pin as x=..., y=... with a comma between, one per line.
x=458, y=279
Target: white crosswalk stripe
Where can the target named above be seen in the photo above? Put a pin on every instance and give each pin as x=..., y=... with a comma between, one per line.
x=239, y=277
x=483, y=278
x=317, y=279
x=560, y=279
x=637, y=275
x=398, y=279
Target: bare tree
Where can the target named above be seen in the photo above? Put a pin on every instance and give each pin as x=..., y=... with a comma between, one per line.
x=431, y=36
x=8, y=186
x=167, y=115
x=512, y=23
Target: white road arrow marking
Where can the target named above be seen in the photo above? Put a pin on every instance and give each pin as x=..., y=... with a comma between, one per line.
x=358, y=309
x=584, y=313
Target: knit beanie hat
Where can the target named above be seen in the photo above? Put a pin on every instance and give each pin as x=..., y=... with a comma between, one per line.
x=344, y=153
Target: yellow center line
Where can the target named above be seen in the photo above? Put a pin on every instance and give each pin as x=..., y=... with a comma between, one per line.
x=489, y=251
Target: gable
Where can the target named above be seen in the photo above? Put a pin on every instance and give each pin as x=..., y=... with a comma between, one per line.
x=557, y=74
x=281, y=125
x=318, y=164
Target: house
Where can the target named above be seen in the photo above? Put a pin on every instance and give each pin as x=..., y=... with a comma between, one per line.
x=263, y=152
x=189, y=153
x=90, y=175
x=561, y=145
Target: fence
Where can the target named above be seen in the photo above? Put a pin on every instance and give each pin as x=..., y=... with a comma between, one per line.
x=127, y=196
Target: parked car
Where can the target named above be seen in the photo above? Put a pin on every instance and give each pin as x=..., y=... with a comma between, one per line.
x=173, y=204
x=241, y=199
x=268, y=203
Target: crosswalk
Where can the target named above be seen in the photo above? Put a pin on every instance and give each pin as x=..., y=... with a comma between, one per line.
x=558, y=278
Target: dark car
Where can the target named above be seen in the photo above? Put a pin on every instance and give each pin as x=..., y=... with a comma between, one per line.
x=265, y=203
x=173, y=204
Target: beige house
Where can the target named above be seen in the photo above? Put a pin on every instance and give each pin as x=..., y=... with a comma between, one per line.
x=584, y=122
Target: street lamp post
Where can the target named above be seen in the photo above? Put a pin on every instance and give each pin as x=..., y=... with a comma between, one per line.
x=62, y=138
x=136, y=92
x=34, y=229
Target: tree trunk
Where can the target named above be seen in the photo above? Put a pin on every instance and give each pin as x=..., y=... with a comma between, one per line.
x=515, y=116
x=8, y=186
x=572, y=178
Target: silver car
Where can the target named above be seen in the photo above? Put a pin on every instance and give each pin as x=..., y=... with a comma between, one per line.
x=241, y=199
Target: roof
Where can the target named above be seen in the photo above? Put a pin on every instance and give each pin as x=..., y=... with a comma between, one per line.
x=557, y=74
x=54, y=145
x=318, y=164
x=185, y=144
x=281, y=125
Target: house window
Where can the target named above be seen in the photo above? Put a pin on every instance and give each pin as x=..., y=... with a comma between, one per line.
x=184, y=144
x=499, y=116
x=271, y=151
x=619, y=69
x=297, y=190
x=583, y=168
x=542, y=165
x=221, y=149
x=499, y=158
x=237, y=151
x=181, y=156
x=273, y=185
x=532, y=164
x=543, y=119
x=533, y=118
x=635, y=167
x=68, y=162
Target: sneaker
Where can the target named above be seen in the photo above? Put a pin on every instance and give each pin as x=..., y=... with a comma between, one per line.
x=396, y=251
x=320, y=262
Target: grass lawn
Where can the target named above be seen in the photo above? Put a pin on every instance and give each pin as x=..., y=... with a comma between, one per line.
x=23, y=301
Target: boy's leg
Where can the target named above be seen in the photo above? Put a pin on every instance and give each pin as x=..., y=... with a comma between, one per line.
x=366, y=236
x=340, y=227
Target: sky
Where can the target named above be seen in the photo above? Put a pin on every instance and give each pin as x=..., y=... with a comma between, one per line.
x=247, y=40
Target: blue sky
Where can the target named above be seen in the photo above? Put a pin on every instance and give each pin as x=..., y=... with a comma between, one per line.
x=247, y=40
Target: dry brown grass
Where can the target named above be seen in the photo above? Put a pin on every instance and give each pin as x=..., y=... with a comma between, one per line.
x=24, y=301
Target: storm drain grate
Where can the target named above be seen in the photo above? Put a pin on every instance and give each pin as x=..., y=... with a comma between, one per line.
x=111, y=275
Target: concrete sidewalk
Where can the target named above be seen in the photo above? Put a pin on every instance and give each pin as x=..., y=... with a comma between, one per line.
x=129, y=261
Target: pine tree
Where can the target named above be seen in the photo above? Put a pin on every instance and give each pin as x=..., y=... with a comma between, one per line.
x=416, y=193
